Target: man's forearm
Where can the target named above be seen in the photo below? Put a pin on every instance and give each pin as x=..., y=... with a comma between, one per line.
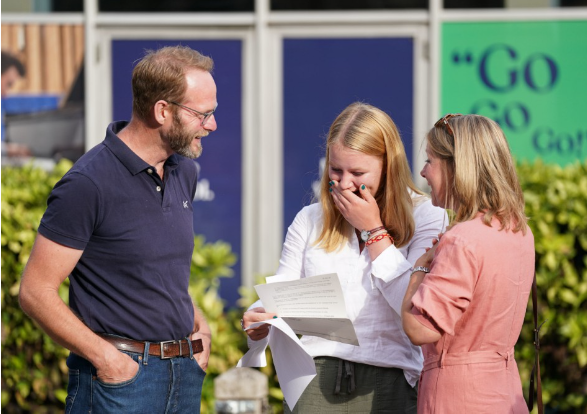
x=48, y=266
x=62, y=325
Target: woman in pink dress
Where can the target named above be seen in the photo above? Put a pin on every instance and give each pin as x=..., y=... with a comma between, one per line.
x=467, y=296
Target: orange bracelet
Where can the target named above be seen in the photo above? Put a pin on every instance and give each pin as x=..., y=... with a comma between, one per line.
x=379, y=238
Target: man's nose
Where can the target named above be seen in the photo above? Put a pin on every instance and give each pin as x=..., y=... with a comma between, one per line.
x=211, y=124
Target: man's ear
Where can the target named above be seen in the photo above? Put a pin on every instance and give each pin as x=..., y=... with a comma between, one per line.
x=161, y=111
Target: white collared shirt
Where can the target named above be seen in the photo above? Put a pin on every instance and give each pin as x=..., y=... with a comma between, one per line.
x=373, y=290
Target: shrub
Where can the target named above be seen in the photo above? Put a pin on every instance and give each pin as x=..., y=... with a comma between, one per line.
x=556, y=204
x=34, y=373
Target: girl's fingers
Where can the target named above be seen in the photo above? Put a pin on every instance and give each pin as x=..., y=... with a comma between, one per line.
x=365, y=193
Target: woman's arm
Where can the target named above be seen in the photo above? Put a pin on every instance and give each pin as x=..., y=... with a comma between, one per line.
x=437, y=301
x=418, y=333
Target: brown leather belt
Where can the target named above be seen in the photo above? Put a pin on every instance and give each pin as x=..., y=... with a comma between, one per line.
x=163, y=350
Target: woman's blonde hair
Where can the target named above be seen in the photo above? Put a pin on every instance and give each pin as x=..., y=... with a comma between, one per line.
x=364, y=128
x=478, y=170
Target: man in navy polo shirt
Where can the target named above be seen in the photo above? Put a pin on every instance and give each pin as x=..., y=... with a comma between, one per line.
x=119, y=224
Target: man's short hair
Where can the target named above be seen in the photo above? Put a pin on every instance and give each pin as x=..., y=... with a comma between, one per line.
x=161, y=75
x=9, y=60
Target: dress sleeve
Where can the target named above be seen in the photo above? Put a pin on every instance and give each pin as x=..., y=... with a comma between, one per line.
x=391, y=270
x=445, y=293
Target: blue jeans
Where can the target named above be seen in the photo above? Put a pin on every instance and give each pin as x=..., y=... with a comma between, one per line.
x=160, y=386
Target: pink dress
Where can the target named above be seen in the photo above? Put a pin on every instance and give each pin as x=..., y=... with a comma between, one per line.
x=475, y=296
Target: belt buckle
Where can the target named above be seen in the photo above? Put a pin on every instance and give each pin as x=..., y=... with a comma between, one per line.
x=161, y=345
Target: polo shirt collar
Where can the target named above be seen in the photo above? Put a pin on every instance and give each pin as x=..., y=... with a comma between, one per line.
x=125, y=155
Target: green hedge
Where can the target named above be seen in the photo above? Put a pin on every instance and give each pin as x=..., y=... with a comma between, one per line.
x=556, y=204
x=34, y=375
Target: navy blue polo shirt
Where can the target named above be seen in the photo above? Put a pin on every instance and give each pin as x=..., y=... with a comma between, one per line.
x=136, y=233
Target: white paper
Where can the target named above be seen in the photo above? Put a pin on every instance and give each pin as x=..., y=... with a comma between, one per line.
x=294, y=366
x=310, y=306
x=280, y=278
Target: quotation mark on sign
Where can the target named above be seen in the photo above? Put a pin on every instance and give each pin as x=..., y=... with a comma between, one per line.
x=465, y=58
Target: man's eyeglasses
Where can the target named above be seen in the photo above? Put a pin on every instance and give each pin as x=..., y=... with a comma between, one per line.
x=203, y=115
x=443, y=122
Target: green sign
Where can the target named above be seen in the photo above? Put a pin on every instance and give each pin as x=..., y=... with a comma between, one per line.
x=530, y=77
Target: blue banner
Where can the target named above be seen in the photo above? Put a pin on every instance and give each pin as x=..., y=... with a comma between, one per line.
x=322, y=77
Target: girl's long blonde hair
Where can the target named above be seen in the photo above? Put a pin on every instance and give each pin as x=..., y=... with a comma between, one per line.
x=362, y=127
x=479, y=172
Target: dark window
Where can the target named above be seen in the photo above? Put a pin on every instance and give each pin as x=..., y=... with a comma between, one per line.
x=176, y=5
x=248, y=5
x=474, y=4
x=573, y=3
x=158, y=5
x=68, y=5
x=347, y=4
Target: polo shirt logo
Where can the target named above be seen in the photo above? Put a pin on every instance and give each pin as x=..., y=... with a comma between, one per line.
x=185, y=204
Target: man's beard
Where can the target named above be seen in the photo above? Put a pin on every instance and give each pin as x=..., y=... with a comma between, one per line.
x=180, y=140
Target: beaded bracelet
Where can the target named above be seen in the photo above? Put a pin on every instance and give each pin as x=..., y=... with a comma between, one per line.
x=379, y=238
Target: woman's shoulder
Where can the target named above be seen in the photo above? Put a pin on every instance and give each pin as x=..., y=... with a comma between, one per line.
x=312, y=210
x=469, y=229
x=478, y=225
x=477, y=228
x=311, y=213
x=425, y=212
x=475, y=232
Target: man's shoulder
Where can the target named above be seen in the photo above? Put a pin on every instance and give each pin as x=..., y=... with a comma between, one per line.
x=94, y=156
x=94, y=164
